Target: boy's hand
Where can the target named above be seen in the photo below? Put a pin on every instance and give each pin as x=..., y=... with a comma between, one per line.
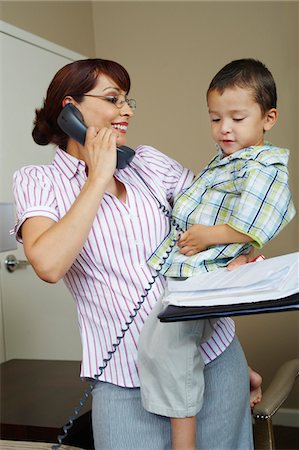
x=240, y=260
x=194, y=240
x=199, y=237
x=244, y=259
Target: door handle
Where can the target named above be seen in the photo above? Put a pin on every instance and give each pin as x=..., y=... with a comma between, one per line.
x=12, y=263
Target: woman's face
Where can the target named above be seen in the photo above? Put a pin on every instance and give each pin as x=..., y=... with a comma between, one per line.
x=102, y=112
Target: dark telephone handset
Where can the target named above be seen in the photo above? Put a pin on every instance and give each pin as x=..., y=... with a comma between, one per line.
x=70, y=120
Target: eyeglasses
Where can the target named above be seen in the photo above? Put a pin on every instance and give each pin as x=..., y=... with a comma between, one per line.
x=116, y=100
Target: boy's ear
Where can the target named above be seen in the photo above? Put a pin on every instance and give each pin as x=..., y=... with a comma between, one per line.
x=271, y=117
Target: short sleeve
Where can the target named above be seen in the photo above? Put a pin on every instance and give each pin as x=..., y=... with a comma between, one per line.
x=34, y=196
x=167, y=172
x=265, y=205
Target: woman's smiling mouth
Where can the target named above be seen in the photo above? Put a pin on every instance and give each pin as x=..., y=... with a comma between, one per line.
x=121, y=126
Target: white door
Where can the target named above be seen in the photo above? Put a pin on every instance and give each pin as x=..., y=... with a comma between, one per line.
x=38, y=320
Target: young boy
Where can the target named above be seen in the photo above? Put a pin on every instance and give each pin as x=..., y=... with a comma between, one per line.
x=241, y=199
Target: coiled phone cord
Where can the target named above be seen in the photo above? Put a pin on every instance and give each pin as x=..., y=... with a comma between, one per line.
x=87, y=392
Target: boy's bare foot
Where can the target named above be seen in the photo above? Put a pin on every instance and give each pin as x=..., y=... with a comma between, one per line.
x=255, y=387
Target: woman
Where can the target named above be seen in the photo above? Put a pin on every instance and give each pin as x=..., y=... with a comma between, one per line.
x=97, y=226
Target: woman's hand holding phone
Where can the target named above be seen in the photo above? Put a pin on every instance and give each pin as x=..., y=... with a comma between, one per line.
x=100, y=154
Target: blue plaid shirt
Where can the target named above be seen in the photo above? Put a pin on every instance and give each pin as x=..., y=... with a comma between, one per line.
x=247, y=190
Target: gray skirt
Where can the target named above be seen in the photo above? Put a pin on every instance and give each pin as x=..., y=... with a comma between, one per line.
x=223, y=423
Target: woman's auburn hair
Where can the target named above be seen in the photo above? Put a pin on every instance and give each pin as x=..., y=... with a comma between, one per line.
x=74, y=79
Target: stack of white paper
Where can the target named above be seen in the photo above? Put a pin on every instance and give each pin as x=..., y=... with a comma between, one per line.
x=269, y=279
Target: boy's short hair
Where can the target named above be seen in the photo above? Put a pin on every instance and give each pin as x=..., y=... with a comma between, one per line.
x=250, y=74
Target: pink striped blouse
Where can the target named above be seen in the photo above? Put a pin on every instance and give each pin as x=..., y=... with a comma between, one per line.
x=110, y=273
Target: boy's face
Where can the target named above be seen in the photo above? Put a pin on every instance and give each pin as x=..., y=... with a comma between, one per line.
x=237, y=120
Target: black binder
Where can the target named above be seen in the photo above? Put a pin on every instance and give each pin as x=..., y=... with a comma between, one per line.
x=180, y=313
